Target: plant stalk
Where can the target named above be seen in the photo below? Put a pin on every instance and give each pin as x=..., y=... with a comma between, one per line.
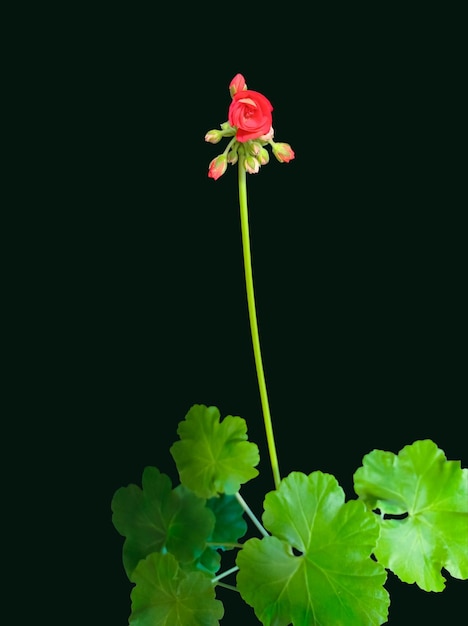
x=244, y=217
x=251, y=514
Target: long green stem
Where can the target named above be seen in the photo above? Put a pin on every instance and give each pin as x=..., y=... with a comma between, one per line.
x=244, y=216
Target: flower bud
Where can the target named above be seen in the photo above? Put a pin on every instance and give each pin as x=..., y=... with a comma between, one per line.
x=263, y=156
x=214, y=136
x=217, y=167
x=283, y=152
x=237, y=84
x=232, y=156
x=226, y=126
x=251, y=165
x=254, y=147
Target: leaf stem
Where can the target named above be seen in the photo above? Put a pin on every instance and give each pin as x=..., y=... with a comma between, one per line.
x=226, y=586
x=251, y=514
x=244, y=216
x=224, y=574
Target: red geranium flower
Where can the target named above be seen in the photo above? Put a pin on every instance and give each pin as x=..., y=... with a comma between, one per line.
x=250, y=114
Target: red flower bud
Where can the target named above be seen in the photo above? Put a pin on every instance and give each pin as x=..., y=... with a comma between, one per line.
x=237, y=84
x=283, y=152
x=217, y=167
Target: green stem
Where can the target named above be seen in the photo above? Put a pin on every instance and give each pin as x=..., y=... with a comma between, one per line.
x=224, y=574
x=251, y=514
x=244, y=216
x=226, y=586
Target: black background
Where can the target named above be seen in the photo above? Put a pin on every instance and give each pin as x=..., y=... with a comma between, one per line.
x=137, y=277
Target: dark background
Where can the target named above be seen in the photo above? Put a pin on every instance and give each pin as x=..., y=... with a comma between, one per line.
x=137, y=279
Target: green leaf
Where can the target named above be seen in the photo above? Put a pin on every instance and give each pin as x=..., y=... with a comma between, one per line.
x=165, y=595
x=229, y=527
x=208, y=562
x=230, y=524
x=158, y=518
x=433, y=492
x=213, y=457
x=316, y=569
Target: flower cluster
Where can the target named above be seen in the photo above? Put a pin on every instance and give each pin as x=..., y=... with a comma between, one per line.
x=250, y=126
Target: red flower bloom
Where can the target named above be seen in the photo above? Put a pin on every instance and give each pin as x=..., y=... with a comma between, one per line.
x=250, y=114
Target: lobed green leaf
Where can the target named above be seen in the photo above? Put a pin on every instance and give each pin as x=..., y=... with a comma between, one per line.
x=164, y=594
x=229, y=527
x=214, y=457
x=316, y=569
x=431, y=496
x=230, y=524
x=158, y=518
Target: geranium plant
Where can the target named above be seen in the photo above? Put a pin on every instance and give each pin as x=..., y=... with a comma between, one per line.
x=314, y=558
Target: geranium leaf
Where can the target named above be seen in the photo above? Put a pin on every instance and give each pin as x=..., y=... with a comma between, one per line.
x=430, y=494
x=316, y=569
x=208, y=562
x=158, y=517
x=213, y=457
x=164, y=594
x=230, y=525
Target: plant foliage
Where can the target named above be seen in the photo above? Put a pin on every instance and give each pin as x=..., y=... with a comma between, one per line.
x=164, y=594
x=214, y=457
x=430, y=495
x=322, y=560
x=316, y=568
x=158, y=517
